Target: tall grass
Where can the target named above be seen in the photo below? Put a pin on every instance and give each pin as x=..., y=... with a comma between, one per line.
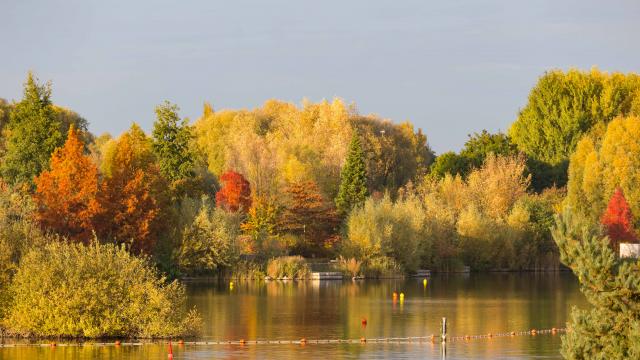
x=292, y=267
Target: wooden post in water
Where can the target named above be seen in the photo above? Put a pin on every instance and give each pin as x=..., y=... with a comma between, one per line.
x=444, y=330
x=444, y=338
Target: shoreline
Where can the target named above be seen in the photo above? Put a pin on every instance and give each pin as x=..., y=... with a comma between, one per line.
x=206, y=279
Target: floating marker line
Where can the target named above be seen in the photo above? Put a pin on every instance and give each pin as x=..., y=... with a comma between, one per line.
x=303, y=341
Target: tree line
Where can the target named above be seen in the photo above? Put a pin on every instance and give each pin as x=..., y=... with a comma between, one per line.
x=283, y=179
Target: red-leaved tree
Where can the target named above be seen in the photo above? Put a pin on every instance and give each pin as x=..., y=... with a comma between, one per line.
x=618, y=220
x=235, y=194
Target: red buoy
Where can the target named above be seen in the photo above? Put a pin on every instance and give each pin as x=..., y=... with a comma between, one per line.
x=170, y=355
x=364, y=321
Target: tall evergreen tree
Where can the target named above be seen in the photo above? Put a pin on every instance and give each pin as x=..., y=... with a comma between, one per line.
x=611, y=328
x=353, y=178
x=171, y=138
x=33, y=134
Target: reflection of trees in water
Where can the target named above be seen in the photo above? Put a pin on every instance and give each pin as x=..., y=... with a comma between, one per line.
x=474, y=304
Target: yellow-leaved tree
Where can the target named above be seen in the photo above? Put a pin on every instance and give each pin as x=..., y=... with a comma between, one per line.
x=605, y=159
x=281, y=143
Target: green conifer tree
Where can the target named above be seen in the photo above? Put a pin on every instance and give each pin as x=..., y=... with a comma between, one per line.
x=171, y=138
x=353, y=179
x=611, y=328
x=33, y=134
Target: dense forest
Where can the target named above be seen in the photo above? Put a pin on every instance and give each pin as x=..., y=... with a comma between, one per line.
x=235, y=188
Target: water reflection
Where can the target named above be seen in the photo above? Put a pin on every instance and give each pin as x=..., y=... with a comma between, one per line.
x=473, y=304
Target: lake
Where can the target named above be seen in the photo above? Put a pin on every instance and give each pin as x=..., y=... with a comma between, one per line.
x=472, y=303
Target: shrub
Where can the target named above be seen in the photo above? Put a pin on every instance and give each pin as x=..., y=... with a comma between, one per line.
x=293, y=267
x=73, y=290
x=488, y=219
x=439, y=247
x=208, y=242
x=382, y=267
x=18, y=234
x=479, y=242
x=248, y=270
x=350, y=266
x=386, y=228
x=496, y=186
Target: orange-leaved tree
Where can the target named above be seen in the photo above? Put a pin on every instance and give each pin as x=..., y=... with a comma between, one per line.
x=235, y=194
x=310, y=217
x=66, y=194
x=133, y=192
x=618, y=220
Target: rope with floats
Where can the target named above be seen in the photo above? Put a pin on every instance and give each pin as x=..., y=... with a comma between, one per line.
x=304, y=341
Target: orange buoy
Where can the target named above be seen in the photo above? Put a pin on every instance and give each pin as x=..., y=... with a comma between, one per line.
x=180, y=342
x=363, y=340
x=534, y=331
x=243, y=341
x=52, y=344
x=117, y=342
x=303, y=341
x=490, y=335
x=513, y=333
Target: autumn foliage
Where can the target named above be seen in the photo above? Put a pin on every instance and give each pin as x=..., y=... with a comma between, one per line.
x=67, y=193
x=309, y=216
x=235, y=194
x=618, y=220
x=132, y=193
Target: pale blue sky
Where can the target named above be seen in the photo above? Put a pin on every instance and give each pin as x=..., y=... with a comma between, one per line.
x=451, y=67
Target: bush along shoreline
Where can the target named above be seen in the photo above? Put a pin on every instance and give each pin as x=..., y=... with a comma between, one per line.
x=95, y=291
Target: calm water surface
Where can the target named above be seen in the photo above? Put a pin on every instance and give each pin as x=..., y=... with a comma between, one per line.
x=473, y=304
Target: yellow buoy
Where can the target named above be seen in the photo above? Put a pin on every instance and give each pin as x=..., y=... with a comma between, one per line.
x=424, y=282
x=401, y=297
x=231, y=285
